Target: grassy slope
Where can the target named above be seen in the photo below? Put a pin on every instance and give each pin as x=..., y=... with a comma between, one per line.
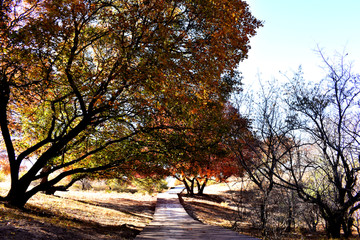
x=78, y=215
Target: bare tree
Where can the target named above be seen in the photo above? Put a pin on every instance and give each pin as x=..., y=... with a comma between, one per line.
x=306, y=138
x=268, y=145
x=327, y=117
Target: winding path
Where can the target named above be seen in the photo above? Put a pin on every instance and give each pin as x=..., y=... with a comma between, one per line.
x=172, y=222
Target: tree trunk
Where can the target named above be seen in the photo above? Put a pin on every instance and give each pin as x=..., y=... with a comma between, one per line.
x=17, y=195
x=291, y=211
x=189, y=189
x=201, y=187
x=192, y=181
x=337, y=221
x=263, y=214
x=198, y=186
x=347, y=225
x=333, y=226
x=44, y=180
x=289, y=219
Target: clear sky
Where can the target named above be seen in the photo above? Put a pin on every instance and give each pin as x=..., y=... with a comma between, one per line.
x=292, y=31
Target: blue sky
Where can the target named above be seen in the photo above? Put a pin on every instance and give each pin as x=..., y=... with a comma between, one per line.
x=292, y=31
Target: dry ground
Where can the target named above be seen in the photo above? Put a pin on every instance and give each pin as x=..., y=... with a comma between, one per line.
x=111, y=215
x=215, y=208
x=78, y=215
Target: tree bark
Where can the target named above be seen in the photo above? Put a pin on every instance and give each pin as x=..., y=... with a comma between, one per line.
x=44, y=180
x=192, y=181
x=347, y=225
x=290, y=219
x=189, y=188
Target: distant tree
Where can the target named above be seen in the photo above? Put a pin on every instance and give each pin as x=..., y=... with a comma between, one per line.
x=197, y=152
x=196, y=173
x=79, y=78
x=221, y=162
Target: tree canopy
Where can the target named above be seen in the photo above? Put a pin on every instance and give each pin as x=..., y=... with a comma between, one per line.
x=80, y=79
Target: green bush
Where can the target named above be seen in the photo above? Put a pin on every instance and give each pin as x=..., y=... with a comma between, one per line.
x=117, y=185
x=150, y=185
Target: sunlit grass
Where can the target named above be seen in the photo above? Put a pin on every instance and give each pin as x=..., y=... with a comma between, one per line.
x=98, y=207
x=79, y=209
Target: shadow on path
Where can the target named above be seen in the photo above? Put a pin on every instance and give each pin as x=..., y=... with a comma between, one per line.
x=172, y=222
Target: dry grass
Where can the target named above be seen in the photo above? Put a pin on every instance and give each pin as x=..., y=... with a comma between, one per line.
x=111, y=215
x=217, y=208
x=209, y=209
x=104, y=208
x=78, y=215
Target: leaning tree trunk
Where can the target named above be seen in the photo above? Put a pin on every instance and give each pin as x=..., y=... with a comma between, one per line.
x=189, y=188
x=18, y=195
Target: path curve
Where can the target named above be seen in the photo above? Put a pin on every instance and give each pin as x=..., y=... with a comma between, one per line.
x=171, y=221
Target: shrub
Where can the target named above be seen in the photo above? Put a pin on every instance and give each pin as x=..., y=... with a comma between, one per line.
x=150, y=185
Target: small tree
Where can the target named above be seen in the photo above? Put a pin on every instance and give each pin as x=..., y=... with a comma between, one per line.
x=212, y=166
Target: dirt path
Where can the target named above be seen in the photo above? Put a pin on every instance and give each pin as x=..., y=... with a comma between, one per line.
x=172, y=222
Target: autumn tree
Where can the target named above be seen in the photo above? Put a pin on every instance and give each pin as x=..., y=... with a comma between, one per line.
x=79, y=77
x=216, y=164
x=220, y=162
x=205, y=147
x=194, y=150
